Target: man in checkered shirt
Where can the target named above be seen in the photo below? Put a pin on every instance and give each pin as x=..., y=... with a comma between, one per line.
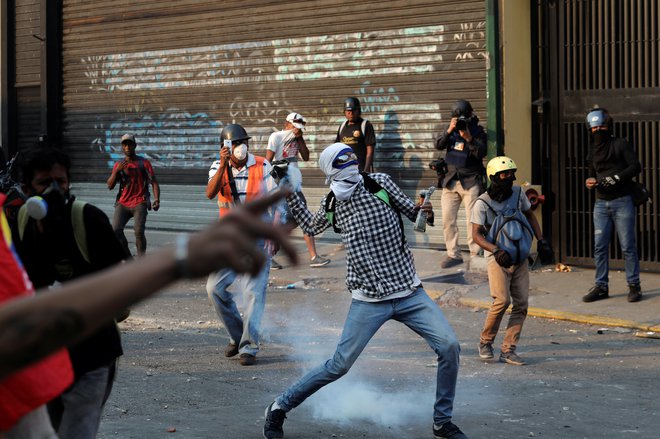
x=382, y=280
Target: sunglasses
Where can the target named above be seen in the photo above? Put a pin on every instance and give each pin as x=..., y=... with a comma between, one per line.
x=345, y=158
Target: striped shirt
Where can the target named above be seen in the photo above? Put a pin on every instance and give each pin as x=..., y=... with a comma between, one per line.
x=241, y=176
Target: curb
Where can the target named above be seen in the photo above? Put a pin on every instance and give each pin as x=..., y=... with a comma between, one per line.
x=568, y=316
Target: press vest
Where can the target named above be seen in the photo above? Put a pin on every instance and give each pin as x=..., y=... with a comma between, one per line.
x=255, y=179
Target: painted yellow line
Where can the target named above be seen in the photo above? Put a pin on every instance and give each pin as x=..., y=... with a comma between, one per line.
x=570, y=316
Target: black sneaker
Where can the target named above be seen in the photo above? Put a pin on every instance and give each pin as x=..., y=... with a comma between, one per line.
x=231, y=350
x=450, y=262
x=634, y=292
x=274, y=422
x=485, y=351
x=511, y=358
x=596, y=293
x=448, y=430
x=274, y=265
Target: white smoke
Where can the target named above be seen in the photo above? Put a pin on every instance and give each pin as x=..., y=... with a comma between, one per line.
x=357, y=396
x=352, y=399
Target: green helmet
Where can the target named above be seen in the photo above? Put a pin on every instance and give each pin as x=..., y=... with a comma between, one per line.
x=499, y=164
x=234, y=132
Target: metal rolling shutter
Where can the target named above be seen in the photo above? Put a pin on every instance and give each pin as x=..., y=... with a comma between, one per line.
x=28, y=65
x=175, y=71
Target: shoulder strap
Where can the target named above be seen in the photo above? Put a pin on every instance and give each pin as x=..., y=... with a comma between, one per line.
x=22, y=221
x=79, y=230
x=330, y=203
x=77, y=223
x=375, y=188
x=341, y=127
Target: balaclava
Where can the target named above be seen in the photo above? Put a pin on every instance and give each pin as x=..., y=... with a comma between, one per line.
x=340, y=166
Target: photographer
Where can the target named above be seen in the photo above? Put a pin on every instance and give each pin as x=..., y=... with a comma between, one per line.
x=466, y=144
x=238, y=177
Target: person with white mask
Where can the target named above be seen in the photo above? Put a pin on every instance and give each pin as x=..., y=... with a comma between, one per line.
x=381, y=277
x=287, y=145
x=236, y=178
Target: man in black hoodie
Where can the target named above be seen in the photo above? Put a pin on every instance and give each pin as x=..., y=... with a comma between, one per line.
x=612, y=166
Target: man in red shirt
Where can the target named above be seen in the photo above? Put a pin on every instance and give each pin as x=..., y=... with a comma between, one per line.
x=134, y=173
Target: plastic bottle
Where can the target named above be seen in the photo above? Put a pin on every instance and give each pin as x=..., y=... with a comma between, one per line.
x=296, y=285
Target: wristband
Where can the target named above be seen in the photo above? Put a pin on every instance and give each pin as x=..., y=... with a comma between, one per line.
x=181, y=255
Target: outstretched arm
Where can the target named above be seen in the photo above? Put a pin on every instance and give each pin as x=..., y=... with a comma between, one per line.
x=34, y=327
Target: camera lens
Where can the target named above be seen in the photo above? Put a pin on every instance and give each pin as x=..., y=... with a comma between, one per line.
x=461, y=125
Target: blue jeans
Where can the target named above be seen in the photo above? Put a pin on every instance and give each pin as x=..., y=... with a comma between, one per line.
x=76, y=413
x=242, y=332
x=619, y=213
x=419, y=313
x=119, y=220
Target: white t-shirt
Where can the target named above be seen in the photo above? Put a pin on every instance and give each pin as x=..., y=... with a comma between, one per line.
x=285, y=145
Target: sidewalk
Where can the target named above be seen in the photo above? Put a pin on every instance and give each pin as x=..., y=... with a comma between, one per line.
x=553, y=295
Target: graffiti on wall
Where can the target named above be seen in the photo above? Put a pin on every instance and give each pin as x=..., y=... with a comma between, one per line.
x=173, y=138
x=179, y=139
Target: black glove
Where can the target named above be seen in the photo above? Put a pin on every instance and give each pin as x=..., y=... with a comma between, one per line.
x=609, y=181
x=503, y=258
x=544, y=251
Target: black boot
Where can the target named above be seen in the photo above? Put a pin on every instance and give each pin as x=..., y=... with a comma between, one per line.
x=634, y=293
x=596, y=293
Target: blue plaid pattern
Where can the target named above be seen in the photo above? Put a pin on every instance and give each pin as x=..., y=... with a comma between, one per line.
x=379, y=262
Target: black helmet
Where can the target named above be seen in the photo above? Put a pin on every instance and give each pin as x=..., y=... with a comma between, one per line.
x=352, y=104
x=234, y=132
x=461, y=108
x=598, y=117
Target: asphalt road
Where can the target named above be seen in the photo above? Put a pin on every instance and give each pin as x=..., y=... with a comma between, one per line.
x=173, y=376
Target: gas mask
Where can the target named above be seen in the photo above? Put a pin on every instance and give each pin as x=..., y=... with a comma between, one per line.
x=240, y=151
x=57, y=201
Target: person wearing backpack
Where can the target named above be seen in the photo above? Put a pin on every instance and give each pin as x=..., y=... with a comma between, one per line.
x=71, y=240
x=358, y=133
x=612, y=165
x=382, y=281
x=134, y=174
x=504, y=226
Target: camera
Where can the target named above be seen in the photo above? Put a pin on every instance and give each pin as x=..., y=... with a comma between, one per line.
x=462, y=123
x=440, y=168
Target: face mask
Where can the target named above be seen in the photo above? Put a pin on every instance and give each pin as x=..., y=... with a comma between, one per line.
x=500, y=190
x=599, y=137
x=240, y=151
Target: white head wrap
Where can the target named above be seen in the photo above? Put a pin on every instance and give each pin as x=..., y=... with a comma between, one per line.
x=342, y=181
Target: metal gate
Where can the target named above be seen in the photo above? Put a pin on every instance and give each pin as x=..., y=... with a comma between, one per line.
x=603, y=52
x=175, y=71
